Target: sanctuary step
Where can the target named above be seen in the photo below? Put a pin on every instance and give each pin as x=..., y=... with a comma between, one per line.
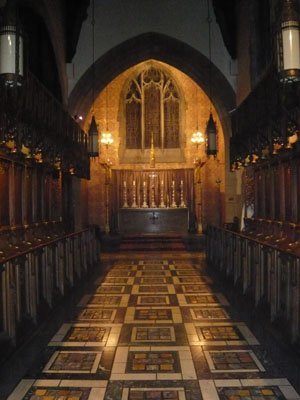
x=152, y=242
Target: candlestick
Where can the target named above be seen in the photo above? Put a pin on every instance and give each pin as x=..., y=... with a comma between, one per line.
x=173, y=205
x=162, y=204
x=145, y=205
x=125, y=204
x=134, y=205
x=182, y=204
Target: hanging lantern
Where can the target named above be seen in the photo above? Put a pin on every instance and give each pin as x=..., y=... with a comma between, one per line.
x=288, y=42
x=93, y=139
x=211, y=135
x=11, y=49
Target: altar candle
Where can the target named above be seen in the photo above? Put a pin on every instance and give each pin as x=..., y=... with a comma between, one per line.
x=144, y=184
x=181, y=182
x=162, y=183
x=173, y=183
x=124, y=184
x=133, y=183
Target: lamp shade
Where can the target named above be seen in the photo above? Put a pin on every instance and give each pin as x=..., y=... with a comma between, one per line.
x=93, y=139
x=288, y=42
x=11, y=49
x=211, y=135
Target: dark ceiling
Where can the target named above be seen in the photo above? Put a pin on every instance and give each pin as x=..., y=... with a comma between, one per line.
x=225, y=11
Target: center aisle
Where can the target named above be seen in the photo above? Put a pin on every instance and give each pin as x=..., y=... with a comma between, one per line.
x=156, y=328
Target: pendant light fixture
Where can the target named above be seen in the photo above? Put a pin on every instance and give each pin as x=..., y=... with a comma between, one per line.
x=93, y=130
x=211, y=129
x=288, y=41
x=197, y=137
x=106, y=137
x=11, y=47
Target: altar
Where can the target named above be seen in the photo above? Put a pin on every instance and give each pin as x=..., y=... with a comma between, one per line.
x=152, y=201
x=153, y=220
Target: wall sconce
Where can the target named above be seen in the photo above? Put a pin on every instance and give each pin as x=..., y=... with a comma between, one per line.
x=197, y=138
x=106, y=139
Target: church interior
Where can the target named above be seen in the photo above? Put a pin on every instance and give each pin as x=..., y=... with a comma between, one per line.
x=149, y=200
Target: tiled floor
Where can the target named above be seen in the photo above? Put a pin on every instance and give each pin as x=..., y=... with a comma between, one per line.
x=154, y=328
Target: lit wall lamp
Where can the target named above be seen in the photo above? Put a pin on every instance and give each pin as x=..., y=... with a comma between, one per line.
x=93, y=148
x=288, y=42
x=197, y=138
x=211, y=134
x=106, y=139
x=11, y=47
x=211, y=128
x=93, y=139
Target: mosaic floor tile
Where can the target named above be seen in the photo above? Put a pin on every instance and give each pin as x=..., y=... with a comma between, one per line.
x=120, y=273
x=75, y=362
x=110, y=289
x=191, y=279
x=187, y=272
x=154, y=267
x=208, y=313
x=136, y=289
x=233, y=361
x=104, y=301
x=142, y=274
x=153, y=314
x=196, y=288
x=153, y=262
x=202, y=299
x=153, y=362
x=153, y=280
x=153, y=300
x=87, y=335
x=91, y=314
x=220, y=334
x=29, y=389
x=153, y=394
x=248, y=389
x=153, y=334
x=118, y=281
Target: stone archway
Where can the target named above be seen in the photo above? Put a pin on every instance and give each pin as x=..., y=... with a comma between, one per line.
x=162, y=48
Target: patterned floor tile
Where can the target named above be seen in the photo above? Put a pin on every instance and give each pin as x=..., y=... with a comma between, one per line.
x=75, y=362
x=220, y=334
x=153, y=394
x=248, y=389
x=99, y=314
x=153, y=314
x=153, y=334
x=151, y=273
x=191, y=279
x=138, y=289
x=153, y=363
x=202, y=299
x=104, y=301
x=29, y=389
x=110, y=289
x=199, y=288
x=232, y=361
x=208, y=313
x=153, y=300
x=87, y=335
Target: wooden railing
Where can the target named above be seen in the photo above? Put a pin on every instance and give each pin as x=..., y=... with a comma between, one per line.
x=269, y=274
x=35, y=279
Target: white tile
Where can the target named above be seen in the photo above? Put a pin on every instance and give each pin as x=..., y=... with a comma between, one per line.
x=228, y=383
x=188, y=369
x=97, y=394
x=21, y=389
x=166, y=376
x=265, y=382
x=140, y=348
x=113, y=339
x=208, y=389
x=118, y=368
x=83, y=383
x=251, y=339
x=125, y=394
x=133, y=377
x=47, y=382
x=121, y=354
x=289, y=392
x=185, y=355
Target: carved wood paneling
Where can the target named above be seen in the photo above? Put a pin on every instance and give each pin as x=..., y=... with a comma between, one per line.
x=4, y=193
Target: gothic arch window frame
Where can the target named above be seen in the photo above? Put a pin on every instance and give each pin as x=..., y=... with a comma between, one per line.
x=162, y=153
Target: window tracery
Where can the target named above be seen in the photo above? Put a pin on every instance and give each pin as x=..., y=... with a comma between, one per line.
x=152, y=107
